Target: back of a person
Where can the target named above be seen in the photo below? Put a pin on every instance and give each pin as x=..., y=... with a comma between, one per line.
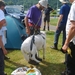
x=65, y=8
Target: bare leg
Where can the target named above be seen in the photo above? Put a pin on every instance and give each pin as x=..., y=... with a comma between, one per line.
x=44, y=25
x=48, y=26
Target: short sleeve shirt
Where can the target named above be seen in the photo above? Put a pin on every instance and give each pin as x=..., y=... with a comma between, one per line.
x=34, y=15
x=71, y=17
x=0, y=32
x=1, y=35
x=3, y=28
x=1, y=15
x=47, y=10
x=64, y=10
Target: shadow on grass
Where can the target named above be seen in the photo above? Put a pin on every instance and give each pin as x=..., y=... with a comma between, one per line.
x=47, y=68
x=16, y=65
x=12, y=66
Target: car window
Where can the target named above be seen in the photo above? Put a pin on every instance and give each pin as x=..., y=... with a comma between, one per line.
x=12, y=10
x=16, y=11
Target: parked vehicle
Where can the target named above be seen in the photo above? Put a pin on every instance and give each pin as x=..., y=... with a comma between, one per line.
x=14, y=12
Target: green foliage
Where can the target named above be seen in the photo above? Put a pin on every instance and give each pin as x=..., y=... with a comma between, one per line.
x=54, y=13
x=28, y=3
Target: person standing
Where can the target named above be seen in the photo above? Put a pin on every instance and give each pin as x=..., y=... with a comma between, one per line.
x=47, y=16
x=33, y=18
x=61, y=24
x=3, y=51
x=70, y=41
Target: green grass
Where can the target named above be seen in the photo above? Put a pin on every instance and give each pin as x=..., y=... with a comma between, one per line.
x=53, y=21
x=52, y=65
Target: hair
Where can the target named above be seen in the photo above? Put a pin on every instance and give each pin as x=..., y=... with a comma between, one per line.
x=2, y=3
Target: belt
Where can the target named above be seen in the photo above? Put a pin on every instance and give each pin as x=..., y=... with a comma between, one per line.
x=32, y=25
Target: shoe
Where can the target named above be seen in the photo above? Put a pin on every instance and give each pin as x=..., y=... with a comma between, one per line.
x=5, y=73
x=48, y=28
x=64, y=73
x=6, y=58
x=53, y=47
x=33, y=62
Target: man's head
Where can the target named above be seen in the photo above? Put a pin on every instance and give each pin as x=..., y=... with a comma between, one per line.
x=43, y=3
x=71, y=1
x=64, y=1
x=2, y=5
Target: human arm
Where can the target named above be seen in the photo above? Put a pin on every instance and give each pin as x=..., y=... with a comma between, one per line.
x=2, y=23
x=27, y=26
x=71, y=34
x=2, y=19
x=2, y=46
x=28, y=17
x=61, y=14
x=50, y=9
x=59, y=20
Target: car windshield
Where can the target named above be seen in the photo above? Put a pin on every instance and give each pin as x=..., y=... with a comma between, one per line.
x=12, y=10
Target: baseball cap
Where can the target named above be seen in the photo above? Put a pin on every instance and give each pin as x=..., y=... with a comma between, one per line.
x=43, y=3
x=64, y=1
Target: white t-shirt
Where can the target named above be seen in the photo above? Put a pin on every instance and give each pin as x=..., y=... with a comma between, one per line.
x=1, y=15
x=4, y=36
x=3, y=29
x=71, y=17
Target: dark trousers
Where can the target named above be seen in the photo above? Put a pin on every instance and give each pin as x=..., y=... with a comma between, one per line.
x=70, y=62
x=1, y=62
x=57, y=34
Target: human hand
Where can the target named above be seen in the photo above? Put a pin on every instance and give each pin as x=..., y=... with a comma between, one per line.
x=56, y=27
x=2, y=23
x=28, y=31
x=64, y=48
x=5, y=51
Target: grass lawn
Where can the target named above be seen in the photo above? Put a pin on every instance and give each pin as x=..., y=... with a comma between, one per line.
x=52, y=65
x=53, y=21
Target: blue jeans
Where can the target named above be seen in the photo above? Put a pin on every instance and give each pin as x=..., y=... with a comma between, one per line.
x=57, y=34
